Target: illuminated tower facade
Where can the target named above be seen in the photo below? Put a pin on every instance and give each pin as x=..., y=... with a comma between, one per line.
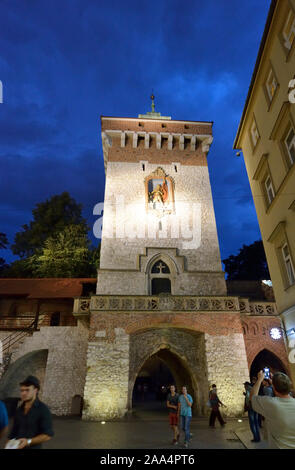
x=159, y=231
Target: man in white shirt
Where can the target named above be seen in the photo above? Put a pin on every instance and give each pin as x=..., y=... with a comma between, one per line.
x=279, y=411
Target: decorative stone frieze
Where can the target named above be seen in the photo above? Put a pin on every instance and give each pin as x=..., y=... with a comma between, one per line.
x=83, y=306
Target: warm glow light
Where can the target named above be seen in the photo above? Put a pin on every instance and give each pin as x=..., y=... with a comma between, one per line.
x=240, y=420
x=103, y=422
x=275, y=333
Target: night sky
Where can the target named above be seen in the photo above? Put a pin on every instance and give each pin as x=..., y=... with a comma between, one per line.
x=64, y=63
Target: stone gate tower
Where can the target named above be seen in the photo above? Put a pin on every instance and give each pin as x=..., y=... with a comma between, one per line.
x=160, y=286
x=158, y=206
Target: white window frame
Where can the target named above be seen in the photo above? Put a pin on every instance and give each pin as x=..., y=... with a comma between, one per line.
x=288, y=264
x=254, y=133
x=287, y=36
x=271, y=81
x=292, y=144
x=269, y=189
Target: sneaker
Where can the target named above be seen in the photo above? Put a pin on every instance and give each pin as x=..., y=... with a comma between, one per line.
x=175, y=442
x=185, y=444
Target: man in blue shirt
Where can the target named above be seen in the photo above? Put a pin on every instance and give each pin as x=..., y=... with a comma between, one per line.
x=185, y=412
x=3, y=419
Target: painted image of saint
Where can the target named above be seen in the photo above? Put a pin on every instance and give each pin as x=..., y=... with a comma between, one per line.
x=158, y=190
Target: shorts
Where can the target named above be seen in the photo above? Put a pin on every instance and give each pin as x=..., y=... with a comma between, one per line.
x=173, y=419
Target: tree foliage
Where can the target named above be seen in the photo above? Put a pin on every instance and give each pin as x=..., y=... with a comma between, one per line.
x=3, y=241
x=49, y=217
x=66, y=254
x=249, y=264
x=3, y=246
x=54, y=244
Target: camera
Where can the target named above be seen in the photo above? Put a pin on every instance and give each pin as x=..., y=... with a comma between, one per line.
x=266, y=372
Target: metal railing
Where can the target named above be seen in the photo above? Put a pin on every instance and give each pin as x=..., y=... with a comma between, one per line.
x=16, y=322
x=16, y=336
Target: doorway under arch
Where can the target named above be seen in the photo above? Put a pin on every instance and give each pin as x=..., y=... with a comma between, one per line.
x=152, y=382
x=266, y=358
x=32, y=363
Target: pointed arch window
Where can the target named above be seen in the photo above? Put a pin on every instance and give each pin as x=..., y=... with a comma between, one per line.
x=160, y=278
x=160, y=267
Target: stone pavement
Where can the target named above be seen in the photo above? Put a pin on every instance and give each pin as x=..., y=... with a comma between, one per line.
x=147, y=429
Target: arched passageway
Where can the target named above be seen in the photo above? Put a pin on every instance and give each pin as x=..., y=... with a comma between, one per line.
x=33, y=363
x=151, y=386
x=266, y=358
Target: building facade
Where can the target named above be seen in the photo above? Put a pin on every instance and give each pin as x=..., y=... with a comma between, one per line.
x=161, y=292
x=266, y=135
x=162, y=309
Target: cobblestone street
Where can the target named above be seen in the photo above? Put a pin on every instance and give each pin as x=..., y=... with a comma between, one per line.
x=148, y=430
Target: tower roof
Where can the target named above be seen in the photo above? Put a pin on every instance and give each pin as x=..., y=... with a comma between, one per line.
x=153, y=114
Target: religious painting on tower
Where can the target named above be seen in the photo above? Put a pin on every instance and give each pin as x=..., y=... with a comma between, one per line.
x=159, y=189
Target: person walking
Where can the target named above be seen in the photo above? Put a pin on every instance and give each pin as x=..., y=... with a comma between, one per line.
x=278, y=411
x=3, y=419
x=215, y=403
x=172, y=405
x=252, y=415
x=185, y=412
x=32, y=422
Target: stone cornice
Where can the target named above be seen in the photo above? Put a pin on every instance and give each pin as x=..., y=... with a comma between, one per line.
x=106, y=118
x=171, y=303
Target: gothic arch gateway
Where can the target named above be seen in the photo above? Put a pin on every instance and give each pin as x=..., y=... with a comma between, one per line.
x=266, y=358
x=159, y=371
x=182, y=351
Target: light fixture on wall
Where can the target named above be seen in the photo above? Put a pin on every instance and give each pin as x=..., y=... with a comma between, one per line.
x=239, y=152
x=275, y=333
x=278, y=331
